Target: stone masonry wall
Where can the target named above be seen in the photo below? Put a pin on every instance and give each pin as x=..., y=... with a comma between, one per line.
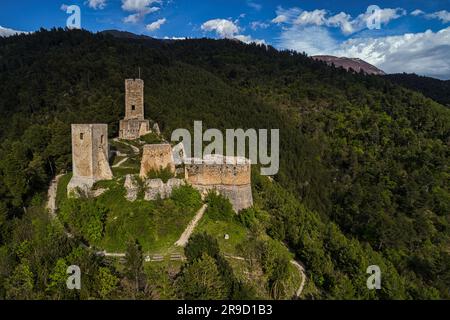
x=156, y=157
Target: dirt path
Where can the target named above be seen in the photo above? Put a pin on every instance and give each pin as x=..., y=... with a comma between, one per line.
x=51, y=194
x=190, y=228
x=299, y=267
x=118, y=164
x=134, y=148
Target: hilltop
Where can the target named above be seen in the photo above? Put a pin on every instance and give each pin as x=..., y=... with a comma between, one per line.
x=363, y=161
x=356, y=64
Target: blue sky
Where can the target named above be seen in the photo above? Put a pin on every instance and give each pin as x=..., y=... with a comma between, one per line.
x=413, y=36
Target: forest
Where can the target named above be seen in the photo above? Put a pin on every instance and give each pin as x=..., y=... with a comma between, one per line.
x=364, y=166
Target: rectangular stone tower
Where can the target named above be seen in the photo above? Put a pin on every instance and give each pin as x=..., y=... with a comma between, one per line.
x=90, y=152
x=134, y=124
x=134, y=99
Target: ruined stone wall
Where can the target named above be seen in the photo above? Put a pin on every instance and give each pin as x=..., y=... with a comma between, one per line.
x=218, y=172
x=156, y=157
x=229, y=176
x=134, y=99
x=133, y=129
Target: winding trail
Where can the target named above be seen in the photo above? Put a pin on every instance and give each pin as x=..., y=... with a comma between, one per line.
x=51, y=194
x=118, y=164
x=301, y=269
x=297, y=264
x=134, y=148
x=191, y=227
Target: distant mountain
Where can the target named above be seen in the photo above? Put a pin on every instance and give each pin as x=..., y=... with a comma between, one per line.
x=355, y=64
x=128, y=35
x=125, y=35
x=435, y=89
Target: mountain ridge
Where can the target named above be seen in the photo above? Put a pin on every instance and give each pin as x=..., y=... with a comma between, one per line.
x=355, y=64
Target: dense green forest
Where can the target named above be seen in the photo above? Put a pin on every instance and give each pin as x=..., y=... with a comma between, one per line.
x=438, y=90
x=364, y=165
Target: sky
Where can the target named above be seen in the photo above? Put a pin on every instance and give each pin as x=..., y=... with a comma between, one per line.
x=396, y=36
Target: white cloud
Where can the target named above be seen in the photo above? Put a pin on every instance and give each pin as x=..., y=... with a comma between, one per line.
x=249, y=39
x=286, y=15
x=140, y=9
x=417, y=12
x=254, y=5
x=316, y=17
x=425, y=53
x=223, y=27
x=255, y=25
x=156, y=25
x=312, y=39
x=137, y=5
x=228, y=29
x=6, y=32
x=174, y=38
x=139, y=16
x=442, y=15
x=96, y=4
x=342, y=20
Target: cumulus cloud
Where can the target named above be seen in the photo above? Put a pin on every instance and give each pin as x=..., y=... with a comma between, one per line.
x=342, y=20
x=140, y=9
x=225, y=28
x=138, y=5
x=442, y=15
x=156, y=25
x=316, y=17
x=417, y=12
x=96, y=4
x=7, y=32
x=286, y=15
x=425, y=53
x=139, y=16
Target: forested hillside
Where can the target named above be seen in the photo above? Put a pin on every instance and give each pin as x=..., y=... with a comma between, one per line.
x=364, y=175
x=438, y=90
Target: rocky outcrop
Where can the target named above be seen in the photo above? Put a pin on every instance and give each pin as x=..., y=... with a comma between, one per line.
x=240, y=196
x=156, y=188
x=153, y=188
x=132, y=187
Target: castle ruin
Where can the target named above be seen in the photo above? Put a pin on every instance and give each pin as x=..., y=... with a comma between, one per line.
x=156, y=157
x=134, y=124
x=229, y=176
x=90, y=152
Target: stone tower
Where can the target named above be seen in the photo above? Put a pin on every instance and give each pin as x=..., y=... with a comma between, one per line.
x=134, y=124
x=90, y=152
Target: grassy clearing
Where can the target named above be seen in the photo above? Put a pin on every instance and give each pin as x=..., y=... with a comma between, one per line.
x=216, y=228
